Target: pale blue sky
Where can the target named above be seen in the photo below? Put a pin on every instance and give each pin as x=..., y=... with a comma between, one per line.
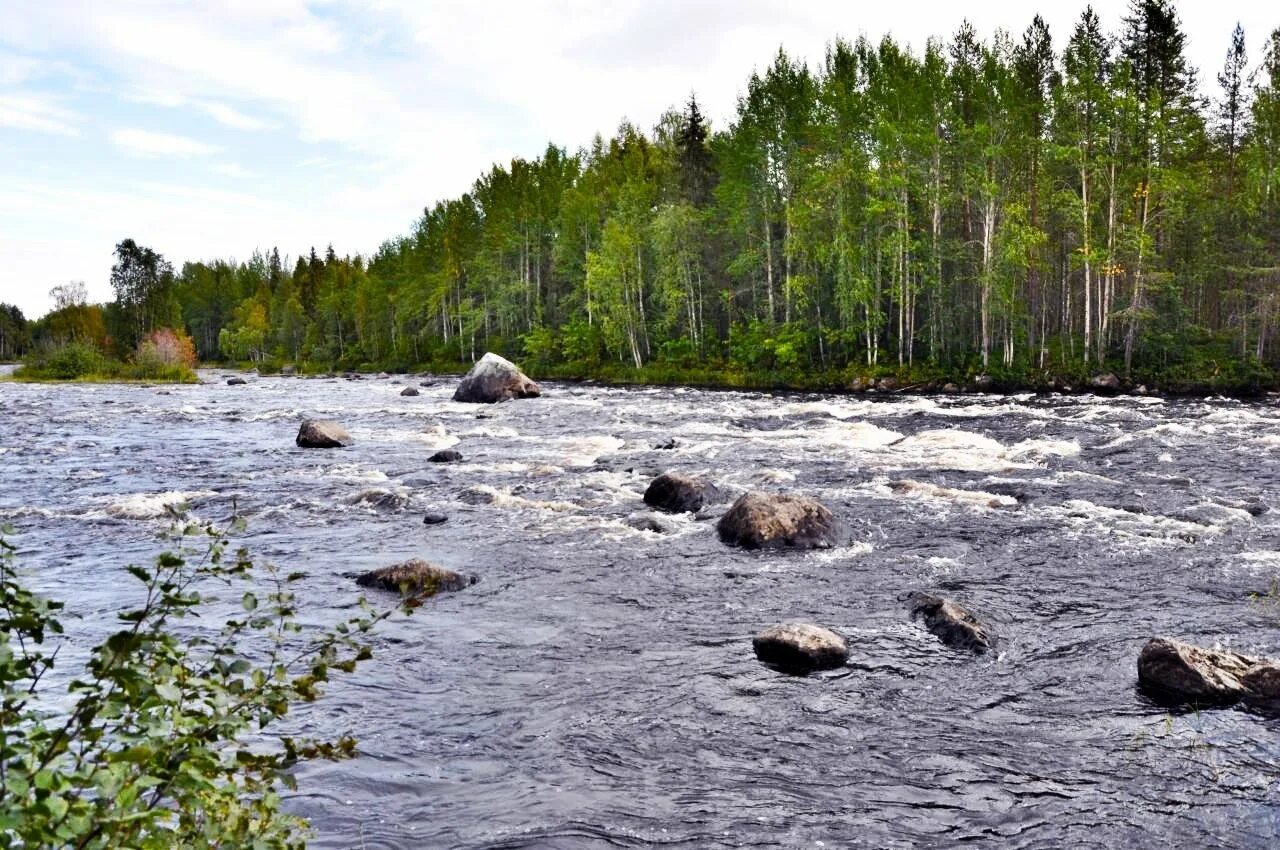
x=209, y=130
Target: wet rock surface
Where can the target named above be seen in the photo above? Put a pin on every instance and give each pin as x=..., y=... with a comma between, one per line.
x=415, y=578
x=760, y=520
x=322, y=434
x=800, y=647
x=678, y=493
x=493, y=379
x=1182, y=672
x=951, y=623
x=446, y=456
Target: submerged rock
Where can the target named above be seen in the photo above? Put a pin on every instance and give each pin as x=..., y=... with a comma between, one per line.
x=445, y=456
x=666, y=445
x=679, y=493
x=800, y=647
x=768, y=520
x=951, y=623
x=235, y=382
x=495, y=379
x=383, y=500
x=647, y=523
x=434, y=519
x=322, y=434
x=409, y=391
x=415, y=578
x=1188, y=673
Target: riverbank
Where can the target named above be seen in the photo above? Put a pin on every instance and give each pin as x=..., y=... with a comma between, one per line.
x=1232, y=383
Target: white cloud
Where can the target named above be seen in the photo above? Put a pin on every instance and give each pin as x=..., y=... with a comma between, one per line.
x=26, y=112
x=233, y=118
x=235, y=170
x=161, y=144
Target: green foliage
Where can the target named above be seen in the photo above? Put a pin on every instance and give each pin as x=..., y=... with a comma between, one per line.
x=78, y=361
x=167, y=740
x=984, y=205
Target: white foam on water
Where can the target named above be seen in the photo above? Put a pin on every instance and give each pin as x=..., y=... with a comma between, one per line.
x=971, y=452
x=964, y=498
x=152, y=505
x=1089, y=518
x=501, y=432
x=503, y=498
x=856, y=549
x=354, y=472
x=437, y=437
x=585, y=451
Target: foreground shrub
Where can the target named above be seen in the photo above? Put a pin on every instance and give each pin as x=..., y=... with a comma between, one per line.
x=166, y=740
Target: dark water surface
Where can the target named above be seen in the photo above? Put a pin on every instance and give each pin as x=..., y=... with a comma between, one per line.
x=597, y=686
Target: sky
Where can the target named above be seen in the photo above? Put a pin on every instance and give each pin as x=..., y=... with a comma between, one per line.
x=209, y=130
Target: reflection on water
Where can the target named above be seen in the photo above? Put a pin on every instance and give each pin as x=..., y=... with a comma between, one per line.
x=597, y=687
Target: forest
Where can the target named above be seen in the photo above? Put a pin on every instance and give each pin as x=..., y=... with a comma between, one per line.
x=997, y=207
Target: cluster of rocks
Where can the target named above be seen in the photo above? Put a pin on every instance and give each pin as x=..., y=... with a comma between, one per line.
x=1169, y=669
x=800, y=648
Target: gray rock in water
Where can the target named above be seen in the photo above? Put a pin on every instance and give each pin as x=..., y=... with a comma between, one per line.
x=950, y=388
x=445, y=456
x=383, y=500
x=666, y=445
x=415, y=578
x=1186, y=673
x=434, y=519
x=860, y=384
x=1262, y=685
x=772, y=520
x=951, y=623
x=409, y=391
x=235, y=382
x=1106, y=382
x=678, y=493
x=493, y=379
x=647, y=523
x=322, y=434
x=800, y=647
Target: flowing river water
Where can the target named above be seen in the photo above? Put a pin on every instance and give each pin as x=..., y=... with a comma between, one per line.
x=597, y=686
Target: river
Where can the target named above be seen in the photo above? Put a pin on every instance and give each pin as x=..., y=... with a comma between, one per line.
x=597, y=686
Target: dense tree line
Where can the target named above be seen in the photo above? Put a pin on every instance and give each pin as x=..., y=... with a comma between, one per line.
x=998, y=206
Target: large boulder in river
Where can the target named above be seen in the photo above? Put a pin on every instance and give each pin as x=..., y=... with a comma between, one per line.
x=951, y=623
x=1105, y=383
x=495, y=379
x=322, y=434
x=409, y=391
x=446, y=456
x=415, y=578
x=678, y=493
x=236, y=382
x=1187, y=673
x=770, y=520
x=800, y=647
